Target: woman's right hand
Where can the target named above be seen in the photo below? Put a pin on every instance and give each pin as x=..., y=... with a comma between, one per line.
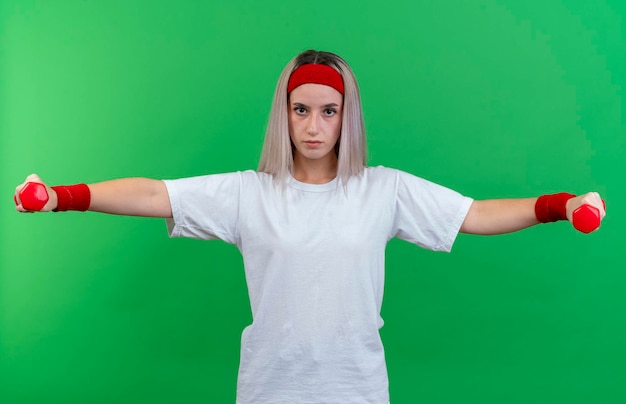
x=52, y=196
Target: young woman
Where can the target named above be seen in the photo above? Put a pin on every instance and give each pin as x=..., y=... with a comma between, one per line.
x=312, y=225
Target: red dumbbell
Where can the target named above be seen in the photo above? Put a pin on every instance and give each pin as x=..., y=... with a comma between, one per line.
x=586, y=218
x=33, y=196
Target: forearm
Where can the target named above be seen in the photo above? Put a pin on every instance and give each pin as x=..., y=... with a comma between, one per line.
x=128, y=196
x=499, y=216
x=131, y=197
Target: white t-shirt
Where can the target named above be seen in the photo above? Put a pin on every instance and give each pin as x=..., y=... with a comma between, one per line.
x=314, y=263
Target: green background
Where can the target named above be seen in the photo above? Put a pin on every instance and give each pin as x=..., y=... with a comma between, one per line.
x=491, y=98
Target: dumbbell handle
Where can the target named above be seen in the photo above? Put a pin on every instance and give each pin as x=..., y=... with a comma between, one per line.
x=33, y=196
x=586, y=218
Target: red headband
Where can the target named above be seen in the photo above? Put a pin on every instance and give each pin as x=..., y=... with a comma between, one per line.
x=317, y=74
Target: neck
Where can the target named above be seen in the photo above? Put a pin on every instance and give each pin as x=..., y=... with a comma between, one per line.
x=318, y=171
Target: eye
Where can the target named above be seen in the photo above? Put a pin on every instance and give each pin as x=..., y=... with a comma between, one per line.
x=300, y=110
x=329, y=112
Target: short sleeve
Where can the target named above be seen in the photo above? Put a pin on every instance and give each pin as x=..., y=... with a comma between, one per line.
x=428, y=214
x=205, y=207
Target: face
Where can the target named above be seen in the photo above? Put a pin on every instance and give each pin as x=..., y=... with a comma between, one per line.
x=315, y=113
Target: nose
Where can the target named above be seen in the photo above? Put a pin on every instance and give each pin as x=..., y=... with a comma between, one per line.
x=313, y=124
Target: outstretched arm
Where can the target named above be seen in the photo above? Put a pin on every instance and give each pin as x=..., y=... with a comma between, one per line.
x=499, y=216
x=128, y=196
x=131, y=197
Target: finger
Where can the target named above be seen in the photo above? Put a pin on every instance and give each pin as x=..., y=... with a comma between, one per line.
x=21, y=209
x=33, y=178
x=597, y=201
x=593, y=199
x=19, y=187
x=16, y=196
x=29, y=178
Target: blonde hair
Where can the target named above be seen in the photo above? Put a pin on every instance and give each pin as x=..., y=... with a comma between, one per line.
x=277, y=154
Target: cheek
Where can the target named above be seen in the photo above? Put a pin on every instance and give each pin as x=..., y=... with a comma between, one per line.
x=295, y=124
x=292, y=127
x=338, y=123
x=337, y=128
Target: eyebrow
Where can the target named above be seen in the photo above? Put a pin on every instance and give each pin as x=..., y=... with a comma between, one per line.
x=299, y=104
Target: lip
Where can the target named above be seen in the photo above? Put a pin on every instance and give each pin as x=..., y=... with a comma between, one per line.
x=313, y=144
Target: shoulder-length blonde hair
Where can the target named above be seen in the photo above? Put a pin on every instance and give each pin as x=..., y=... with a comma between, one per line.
x=277, y=154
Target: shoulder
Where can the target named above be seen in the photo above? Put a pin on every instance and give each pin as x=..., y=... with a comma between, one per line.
x=235, y=176
x=211, y=181
x=388, y=175
x=249, y=177
x=378, y=180
x=380, y=172
x=401, y=180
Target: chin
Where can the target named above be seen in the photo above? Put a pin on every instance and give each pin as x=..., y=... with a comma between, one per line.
x=316, y=155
